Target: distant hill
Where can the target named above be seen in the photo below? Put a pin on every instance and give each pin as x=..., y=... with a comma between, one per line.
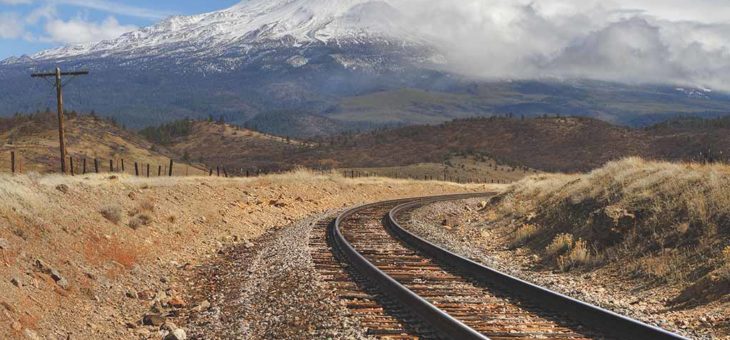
x=34, y=138
x=550, y=144
x=510, y=146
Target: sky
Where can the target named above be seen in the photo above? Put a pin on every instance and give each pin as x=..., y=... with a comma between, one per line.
x=29, y=26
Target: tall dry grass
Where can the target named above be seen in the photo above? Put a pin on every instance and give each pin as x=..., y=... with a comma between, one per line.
x=644, y=212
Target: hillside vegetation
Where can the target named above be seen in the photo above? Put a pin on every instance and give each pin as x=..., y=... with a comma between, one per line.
x=564, y=144
x=664, y=223
x=567, y=144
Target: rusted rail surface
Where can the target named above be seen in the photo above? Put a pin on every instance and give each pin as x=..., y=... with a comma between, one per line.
x=432, y=293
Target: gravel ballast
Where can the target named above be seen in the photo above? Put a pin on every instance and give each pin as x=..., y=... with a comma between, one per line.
x=269, y=291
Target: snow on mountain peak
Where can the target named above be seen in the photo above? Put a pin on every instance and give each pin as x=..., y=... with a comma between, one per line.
x=256, y=21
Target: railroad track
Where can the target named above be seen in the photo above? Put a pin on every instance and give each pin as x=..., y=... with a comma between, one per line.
x=400, y=286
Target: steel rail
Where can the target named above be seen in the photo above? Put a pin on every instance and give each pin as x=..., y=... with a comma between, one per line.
x=603, y=320
x=439, y=320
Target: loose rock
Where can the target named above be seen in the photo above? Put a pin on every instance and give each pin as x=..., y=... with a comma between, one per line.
x=153, y=320
x=177, y=302
x=203, y=306
x=178, y=334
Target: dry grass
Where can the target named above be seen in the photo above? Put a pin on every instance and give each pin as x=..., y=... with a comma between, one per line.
x=523, y=234
x=628, y=210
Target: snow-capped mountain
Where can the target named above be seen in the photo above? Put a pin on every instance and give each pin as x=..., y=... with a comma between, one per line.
x=256, y=56
x=226, y=38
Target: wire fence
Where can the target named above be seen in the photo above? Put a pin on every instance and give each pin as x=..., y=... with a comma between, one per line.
x=81, y=165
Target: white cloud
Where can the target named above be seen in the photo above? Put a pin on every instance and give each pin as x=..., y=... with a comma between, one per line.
x=641, y=41
x=116, y=8
x=11, y=26
x=43, y=12
x=78, y=30
x=16, y=2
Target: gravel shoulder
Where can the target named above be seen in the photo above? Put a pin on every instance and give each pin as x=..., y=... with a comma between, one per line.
x=466, y=227
x=268, y=291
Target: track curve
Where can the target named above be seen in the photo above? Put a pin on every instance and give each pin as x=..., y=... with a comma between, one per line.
x=453, y=297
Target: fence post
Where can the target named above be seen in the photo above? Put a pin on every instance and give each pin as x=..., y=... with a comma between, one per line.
x=159, y=170
x=218, y=170
x=12, y=161
x=136, y=169
x=122, y=164
x=225, y=172
x=84, y=166
x=210, y=172
x=111, y=165
x=246, y=173
x=96, y=165
x=170, y=170
x=71, y=159
x=148, y=170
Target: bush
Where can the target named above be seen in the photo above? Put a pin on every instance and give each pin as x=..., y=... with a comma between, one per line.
x=560, y=245
x=112, y=213
x=146, y=205
x=579, y=255
x=139, y=221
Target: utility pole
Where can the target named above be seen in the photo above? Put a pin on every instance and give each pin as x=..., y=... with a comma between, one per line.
x=59, y=98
